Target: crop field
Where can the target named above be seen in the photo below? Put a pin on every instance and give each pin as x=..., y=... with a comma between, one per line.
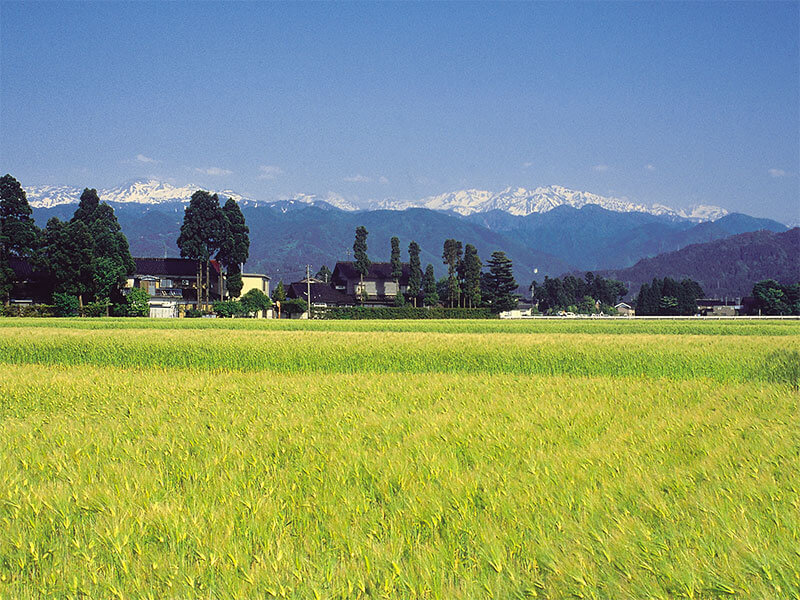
x=442, y=459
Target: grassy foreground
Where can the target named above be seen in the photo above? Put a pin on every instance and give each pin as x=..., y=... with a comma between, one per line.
x=341, y=464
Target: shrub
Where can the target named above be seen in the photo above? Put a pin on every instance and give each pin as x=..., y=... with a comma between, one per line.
x=97, y=309
x=65, y=305
x=255, y=300
x=294, y=306
x=193, y=313
x=138, y=303
x=228, y=308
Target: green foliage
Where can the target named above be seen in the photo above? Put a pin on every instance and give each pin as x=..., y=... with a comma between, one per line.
x=397, y=264
x=99, y=308
x=65, y=305
x=138, y=303
x=279, y=293
x=324, y=274
x=668, y=297
x=399, y=300
x=234, y=281
x=254, y=301
x=193, y=313
x=67, y=256
x=557, y=294
x=28, y=310
x=234, y=247
x=431, y=297
x=772, y=298
x=18, y=233
x=472, y=276
x=294, y=306
x=362, y=261
x=229, y=308
x=415, y=272
x=501, y=283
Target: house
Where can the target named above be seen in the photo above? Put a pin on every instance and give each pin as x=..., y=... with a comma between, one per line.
x=379, y=285
x=715, y=307
x=171, y=284
x=625, y=309
x=260, y=282
x=323, y=294
x=30, y=286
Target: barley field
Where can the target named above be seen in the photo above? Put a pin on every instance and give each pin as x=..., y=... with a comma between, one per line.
x=443, y=459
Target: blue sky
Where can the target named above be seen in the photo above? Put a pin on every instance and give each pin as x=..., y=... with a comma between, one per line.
x=673, y=103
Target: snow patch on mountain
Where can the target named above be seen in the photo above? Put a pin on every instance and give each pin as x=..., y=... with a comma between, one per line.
x=513, y=200
x=522, y=202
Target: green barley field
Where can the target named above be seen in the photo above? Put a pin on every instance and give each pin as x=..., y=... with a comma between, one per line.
x=402, y=459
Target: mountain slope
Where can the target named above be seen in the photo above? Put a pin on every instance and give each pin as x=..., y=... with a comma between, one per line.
x=724, y=268
x=594, y=238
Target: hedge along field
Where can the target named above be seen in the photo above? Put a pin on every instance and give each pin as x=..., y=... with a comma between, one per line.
x=772, y=327
x=147, y=463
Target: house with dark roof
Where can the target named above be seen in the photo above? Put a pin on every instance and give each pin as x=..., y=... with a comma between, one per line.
x=171, y=284
x=322, y=294
x=379, y=285
x=29, y=285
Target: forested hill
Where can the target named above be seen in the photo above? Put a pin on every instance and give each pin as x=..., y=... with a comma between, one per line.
x=724, y=268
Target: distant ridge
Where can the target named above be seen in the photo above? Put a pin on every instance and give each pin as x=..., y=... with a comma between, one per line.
x=724, y=268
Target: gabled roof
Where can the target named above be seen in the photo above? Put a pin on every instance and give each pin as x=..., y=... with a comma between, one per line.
x=346, y=270
x=174, y=267
x=23, y=269
x=321, y=293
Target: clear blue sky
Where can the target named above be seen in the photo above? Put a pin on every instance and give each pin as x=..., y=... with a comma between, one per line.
x=672, y=103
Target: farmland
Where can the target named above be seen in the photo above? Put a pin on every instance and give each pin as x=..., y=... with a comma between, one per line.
x=444, y=459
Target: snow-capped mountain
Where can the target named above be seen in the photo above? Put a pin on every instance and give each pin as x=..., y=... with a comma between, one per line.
x=516, y=201
x=522, y=202
x=141, y=191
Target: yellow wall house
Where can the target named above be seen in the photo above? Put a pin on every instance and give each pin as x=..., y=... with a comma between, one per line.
x=256, y=281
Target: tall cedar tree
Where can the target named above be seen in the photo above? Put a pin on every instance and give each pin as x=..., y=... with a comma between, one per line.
x=451, y=256
x=396, y=263
x=202, y=234
x=324, y=274
x=431, y=298
x=361, y=259
x=415, y=272
x=18, y=233
x=472, y=276
x=501, y=283
x=111, y=257
x=235, y=248
x=66, y=256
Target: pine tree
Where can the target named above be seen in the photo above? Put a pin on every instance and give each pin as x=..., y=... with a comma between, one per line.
x=415, y=272
x=472, y=275
x=66, y=255
x=324, y=274
x=501, y=282
x=361, y=259
x=235, y=247
x=397, y=265
x=431, y=298
x=18, y=233
x=451, y=256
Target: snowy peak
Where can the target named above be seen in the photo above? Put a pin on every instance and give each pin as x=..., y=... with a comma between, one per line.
x=513, y=200
x=140, y=191
x=522, y=202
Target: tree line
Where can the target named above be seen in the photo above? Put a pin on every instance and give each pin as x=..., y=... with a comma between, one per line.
x=466, y=284
x=592, y=294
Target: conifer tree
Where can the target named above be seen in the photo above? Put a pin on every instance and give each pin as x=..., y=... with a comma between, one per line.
x=235, y=247
x=472, y=276
x=324, y=274
x=501, y=283
x=362, y=262
x=18, y=233
x=431, y=297
x=202, y=234
x=397, y=265
x=415, y=272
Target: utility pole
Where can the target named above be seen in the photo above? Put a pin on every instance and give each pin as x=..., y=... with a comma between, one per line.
x=308, y=289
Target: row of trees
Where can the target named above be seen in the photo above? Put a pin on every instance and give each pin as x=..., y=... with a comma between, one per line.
x=592, y=294
x=87, y=257
x=667, y=297
x=773, y=298
x=466, y=285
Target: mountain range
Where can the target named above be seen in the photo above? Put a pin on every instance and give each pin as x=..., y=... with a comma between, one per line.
x=515, y=201
x=573, y=231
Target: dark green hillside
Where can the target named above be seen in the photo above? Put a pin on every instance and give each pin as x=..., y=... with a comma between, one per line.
x=723, y=268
